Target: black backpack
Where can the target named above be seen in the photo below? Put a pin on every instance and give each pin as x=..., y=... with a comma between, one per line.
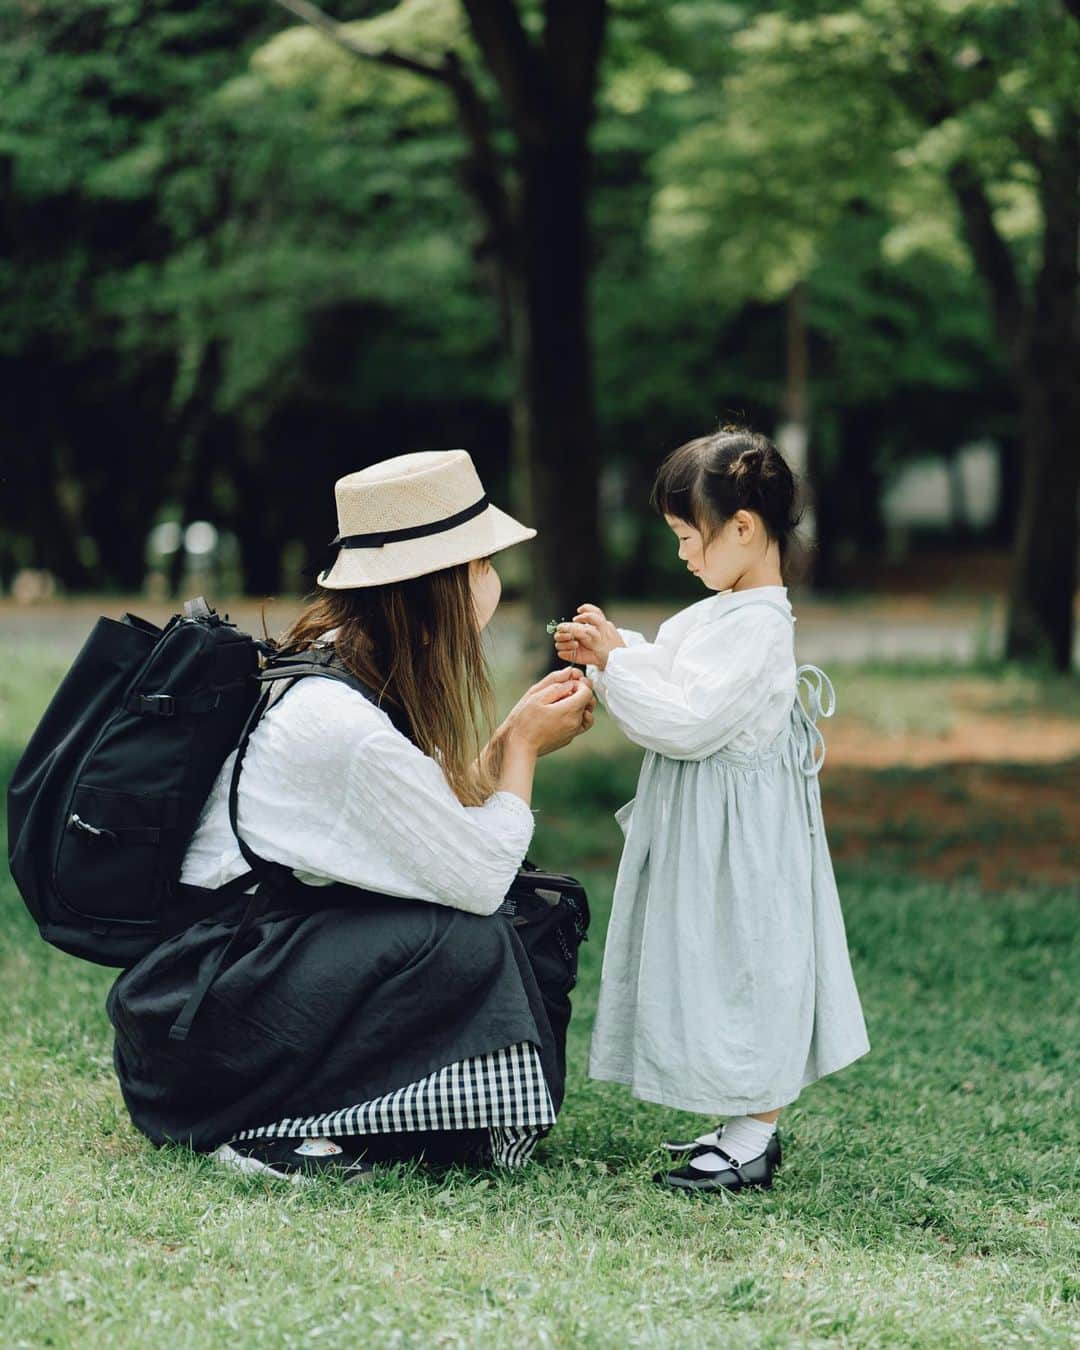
x=109, y=789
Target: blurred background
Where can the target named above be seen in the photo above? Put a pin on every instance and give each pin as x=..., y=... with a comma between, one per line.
x=241, y=257
x=247, y=248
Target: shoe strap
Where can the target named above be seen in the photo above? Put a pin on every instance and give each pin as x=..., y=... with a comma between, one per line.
x=732, y=1165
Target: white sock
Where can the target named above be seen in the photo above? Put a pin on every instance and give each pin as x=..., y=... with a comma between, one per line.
x=742, y=1138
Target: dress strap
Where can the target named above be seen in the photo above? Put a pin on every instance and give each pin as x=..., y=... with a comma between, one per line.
x=815, y=698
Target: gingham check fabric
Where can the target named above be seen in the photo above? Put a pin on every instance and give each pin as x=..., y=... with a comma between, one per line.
x=505, y=1091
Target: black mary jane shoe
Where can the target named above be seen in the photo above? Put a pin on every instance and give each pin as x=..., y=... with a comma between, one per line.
x=735, y=1177
x=693, y=1148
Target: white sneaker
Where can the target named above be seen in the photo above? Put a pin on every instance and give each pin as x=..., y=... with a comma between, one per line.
x=292, y=1159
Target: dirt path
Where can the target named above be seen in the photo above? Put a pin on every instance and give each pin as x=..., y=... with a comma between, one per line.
x=1003, y=825
x=952, y=778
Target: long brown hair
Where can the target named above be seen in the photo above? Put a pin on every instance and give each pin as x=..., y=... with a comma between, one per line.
x=418, y=645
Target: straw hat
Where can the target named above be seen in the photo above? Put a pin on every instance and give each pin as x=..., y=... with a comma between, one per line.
x=415, y=514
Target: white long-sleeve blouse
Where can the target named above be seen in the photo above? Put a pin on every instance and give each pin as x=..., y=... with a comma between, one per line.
x=331, y=789
x=705, y=686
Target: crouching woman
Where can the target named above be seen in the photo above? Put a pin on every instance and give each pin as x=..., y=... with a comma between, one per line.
x=378, y=1007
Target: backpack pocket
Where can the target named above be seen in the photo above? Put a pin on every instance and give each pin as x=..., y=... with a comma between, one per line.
x=111, y=855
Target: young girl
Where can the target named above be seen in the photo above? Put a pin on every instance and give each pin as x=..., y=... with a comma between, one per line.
x=726, y=986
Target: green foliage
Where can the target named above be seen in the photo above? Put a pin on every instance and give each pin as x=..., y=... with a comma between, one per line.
x=809, y=164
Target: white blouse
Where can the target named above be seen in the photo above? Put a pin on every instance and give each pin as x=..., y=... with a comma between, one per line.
x=331, y=789
x=705, y=686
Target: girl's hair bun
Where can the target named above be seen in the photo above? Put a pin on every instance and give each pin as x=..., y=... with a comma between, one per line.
x=750, y=462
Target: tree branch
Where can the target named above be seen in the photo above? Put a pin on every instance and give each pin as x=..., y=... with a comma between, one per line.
x=316, y=18
x=992, y=257
x=930, y=98
x=482, y=171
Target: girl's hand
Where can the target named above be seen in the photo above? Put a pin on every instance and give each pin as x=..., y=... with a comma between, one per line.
x=551, y=714
x=589, y=639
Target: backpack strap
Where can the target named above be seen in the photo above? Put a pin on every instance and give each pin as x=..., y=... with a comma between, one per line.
x=271, y=877
x=255, y=905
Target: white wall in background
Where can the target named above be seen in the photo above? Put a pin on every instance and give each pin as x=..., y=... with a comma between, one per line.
x=921, y=496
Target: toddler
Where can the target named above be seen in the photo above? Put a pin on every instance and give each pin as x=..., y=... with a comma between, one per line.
x=726, y=984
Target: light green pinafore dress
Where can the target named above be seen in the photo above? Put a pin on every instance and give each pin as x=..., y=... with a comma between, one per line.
x=727, y=986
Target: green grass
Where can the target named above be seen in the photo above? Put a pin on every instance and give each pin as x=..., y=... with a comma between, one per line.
x=929, y=1195
x=924, y=699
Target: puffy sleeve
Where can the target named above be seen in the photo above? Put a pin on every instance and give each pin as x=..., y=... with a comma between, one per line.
x=691, y=705
x=631, y=637
x=461, y=856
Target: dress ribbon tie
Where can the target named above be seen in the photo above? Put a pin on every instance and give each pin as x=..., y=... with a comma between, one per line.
x=815, y=698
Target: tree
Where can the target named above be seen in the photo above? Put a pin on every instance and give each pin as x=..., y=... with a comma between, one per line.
x=958, y=123
x=536, y=233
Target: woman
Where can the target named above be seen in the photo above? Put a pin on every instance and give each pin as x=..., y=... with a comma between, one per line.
x=378, y=1008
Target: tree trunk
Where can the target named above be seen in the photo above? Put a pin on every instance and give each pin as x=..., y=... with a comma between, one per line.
x=1044, y=573
x=555, y=421
x=197, y=455
x=1041, y=596
x=260, y=518
x=260, y=557
x=793, y=433
x=47, y=518
x=862, y=428
x=959, y=525
x=1003, y=528
x=821, y=559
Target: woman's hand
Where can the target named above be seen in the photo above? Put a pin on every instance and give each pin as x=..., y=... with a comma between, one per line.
x=589, y=639
x=551, y=713
x=564, y=679
x=546, y=717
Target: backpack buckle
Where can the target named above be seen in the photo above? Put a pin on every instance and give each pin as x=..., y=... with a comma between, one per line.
x=157, y=705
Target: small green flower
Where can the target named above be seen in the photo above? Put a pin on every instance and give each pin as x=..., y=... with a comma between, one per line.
x=554, y=623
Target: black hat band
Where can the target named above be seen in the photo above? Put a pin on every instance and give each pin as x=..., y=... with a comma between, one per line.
x=412, y=531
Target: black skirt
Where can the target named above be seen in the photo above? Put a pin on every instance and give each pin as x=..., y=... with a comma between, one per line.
x=334, y=996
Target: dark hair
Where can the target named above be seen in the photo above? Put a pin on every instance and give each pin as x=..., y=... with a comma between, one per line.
x=707, y=480
x=418, y=644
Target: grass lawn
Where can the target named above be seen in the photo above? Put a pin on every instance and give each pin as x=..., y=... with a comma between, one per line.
x=929, y=1195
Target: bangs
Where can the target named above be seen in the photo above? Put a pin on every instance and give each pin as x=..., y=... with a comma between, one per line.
x=678, y=487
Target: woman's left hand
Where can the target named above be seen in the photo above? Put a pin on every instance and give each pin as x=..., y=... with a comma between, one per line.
x=570, y=679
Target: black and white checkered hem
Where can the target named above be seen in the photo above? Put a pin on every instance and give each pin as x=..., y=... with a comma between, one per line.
x=504, y=1091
